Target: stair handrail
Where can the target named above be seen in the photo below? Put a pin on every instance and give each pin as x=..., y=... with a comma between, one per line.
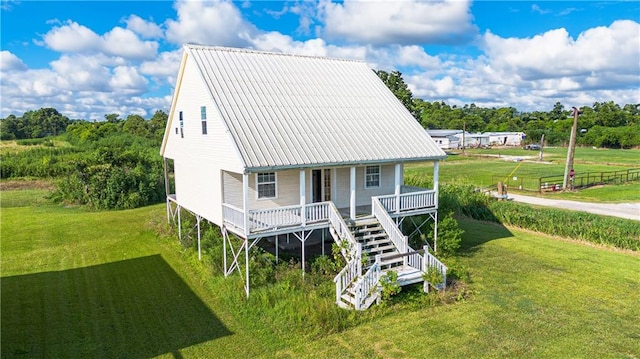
x=353, y=253
x=341, y=228
x=429, y=260
x=395, y=235
x=346, y=276
x=366, y=284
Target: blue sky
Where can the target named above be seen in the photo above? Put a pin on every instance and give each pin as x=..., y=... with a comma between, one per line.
x=91, y=58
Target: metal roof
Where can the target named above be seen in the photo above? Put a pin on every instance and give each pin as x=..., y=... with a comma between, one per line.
x=289, y=111
x=443, y=133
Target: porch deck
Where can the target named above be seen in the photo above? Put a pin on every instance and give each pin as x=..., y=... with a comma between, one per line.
x=287, y=219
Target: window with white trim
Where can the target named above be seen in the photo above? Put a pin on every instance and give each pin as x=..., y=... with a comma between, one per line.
x=181, y=126
x=266, y=185
x=203, y=118
x=371, y=176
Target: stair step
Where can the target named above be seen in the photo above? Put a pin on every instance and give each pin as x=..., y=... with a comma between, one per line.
x=364, y=221
x=381, y=251
x=348, y=299
x=365, y=230
x=370, y=236
x=376, y=241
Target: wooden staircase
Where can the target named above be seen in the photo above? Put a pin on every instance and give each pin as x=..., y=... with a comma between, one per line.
x=376, y=254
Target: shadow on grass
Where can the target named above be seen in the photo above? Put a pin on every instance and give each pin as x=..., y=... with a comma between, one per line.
x=477, y=233
x=138, y=308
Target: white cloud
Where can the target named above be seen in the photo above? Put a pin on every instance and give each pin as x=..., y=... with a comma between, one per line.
x=144, y=28
x=209, y=23
x=127, y=79
x=75, y=38
x=125, y=43
x=164, y=67
x=72, y=37
x=555, y=54
x=398, y=22
x=11, y=62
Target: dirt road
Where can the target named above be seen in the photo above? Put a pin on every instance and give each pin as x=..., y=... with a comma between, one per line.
x=622, y=210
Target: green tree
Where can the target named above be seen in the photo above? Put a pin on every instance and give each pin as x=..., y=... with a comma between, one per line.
x=136, y=125
x=396, y=84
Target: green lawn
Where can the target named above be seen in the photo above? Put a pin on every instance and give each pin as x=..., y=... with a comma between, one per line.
x=483, y=168
x=106, y=284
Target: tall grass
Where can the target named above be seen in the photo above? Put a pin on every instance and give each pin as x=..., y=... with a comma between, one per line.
x=617, y=232
x=463, y=199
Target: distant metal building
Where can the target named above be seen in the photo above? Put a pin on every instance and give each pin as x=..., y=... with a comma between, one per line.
x=446, y=139
x=506, y=138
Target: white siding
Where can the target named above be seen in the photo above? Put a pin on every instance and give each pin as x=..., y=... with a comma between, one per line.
x=200, y=193
x=216, y=147
x=287, y=190
x=199, y=158
x=363, y=195
x=232, y=189
x=387, y=184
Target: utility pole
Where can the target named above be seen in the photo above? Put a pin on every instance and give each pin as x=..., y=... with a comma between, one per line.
x=541, y=147
x=572, y=148
x=464, y=129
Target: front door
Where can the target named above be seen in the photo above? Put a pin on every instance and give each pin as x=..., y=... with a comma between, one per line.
x=316, y=185
x=321, y=185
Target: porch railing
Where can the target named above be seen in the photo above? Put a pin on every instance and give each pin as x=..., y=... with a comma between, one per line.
x=408, y=201
x=233, y=215
x=273, y=218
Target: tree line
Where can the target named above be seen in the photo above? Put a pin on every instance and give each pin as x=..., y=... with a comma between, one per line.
x=111, y=164
x=604, y=124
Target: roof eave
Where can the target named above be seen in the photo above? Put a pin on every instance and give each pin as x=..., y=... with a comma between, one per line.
x=341, y=164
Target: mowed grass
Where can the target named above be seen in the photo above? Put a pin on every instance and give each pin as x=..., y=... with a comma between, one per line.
x=106, y=284
x=534, y=297
x=482, y=168
x=79, y=284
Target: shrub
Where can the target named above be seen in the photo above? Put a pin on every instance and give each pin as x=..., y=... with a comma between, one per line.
x=390, y=286
x=449, y=235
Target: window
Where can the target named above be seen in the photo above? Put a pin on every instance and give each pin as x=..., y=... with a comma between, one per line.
x=372, y=176
x=266, y=185
x=203, y=118
x=181, y=126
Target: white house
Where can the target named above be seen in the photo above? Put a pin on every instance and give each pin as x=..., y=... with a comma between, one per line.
x=505, y=138
x=446, y=139
x=264, y=144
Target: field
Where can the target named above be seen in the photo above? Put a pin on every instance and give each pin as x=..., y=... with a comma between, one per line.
x=485, y=167
x=114, y=284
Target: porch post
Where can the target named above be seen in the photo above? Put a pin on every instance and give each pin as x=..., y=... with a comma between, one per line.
x=245, y=202
x=303, y=196
x=398, y=185
x=198, y=223
x=436, y=183
x=334, y=184
x=352, y=201
x=246, y=264
x=302, y=239
x=435, y=232
x=179, y=224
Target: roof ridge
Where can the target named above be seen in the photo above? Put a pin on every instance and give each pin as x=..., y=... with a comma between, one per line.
x=263, y=52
